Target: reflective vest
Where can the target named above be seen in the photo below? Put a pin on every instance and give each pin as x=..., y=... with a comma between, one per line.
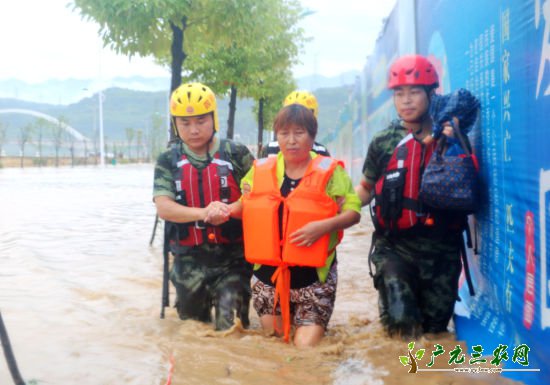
x=308, y=202
x=397, y=208
x=197, y=188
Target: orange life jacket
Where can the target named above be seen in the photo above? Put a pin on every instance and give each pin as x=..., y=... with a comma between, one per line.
x=264, y=244
x=306, y=203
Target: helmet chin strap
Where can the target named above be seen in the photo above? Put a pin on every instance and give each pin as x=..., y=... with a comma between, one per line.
x=208, y=145
x=175, y=127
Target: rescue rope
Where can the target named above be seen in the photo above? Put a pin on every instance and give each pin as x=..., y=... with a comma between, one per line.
x=170, y=371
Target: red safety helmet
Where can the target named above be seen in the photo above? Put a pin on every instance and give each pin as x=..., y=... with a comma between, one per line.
x=412, y=70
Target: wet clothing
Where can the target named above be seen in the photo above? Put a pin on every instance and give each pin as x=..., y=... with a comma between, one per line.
x=416, y=274
x=309, y=305
x=339, y=185
x=417, y=282
x=272, y=149
x=208, y=275
x=212, y=276
x=381, y=150
x=266, y=208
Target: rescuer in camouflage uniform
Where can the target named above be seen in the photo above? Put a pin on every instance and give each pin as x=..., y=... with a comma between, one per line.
x=209, y=269
x=416, y=272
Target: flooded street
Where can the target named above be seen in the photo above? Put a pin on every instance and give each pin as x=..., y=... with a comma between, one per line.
x=80, y=293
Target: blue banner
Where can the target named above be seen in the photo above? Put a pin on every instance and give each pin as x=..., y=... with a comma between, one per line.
x=379, y=107
x=499, y=50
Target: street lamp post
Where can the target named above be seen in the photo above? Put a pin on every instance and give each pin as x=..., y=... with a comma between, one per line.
x=101, y=141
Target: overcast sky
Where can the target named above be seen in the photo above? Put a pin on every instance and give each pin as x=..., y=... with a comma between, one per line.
x=43, y=39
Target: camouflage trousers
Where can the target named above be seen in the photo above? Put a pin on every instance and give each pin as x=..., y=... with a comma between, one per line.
x=417, y=283
x=213, y=277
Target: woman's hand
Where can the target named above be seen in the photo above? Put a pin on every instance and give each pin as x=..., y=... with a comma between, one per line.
x=246, y=188
x=308, y=234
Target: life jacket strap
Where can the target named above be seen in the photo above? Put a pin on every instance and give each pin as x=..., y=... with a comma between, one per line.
x=281, y=279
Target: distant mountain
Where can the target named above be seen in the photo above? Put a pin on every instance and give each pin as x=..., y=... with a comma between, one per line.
x=64, y=92
x=72, y=90
x=51, y=92
x=131, y=103
x=125, y=108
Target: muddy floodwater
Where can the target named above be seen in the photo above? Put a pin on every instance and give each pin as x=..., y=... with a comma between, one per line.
x=80, y=292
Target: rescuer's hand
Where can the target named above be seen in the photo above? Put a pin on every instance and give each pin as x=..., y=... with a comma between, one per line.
x=217, y=213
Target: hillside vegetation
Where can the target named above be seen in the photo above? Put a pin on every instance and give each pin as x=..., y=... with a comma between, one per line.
x=125, y=110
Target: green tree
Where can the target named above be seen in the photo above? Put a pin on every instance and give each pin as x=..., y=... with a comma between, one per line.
x=215, y=33
x=57, y=131
x=71, y=140
x=143, y=27
x=156, y=136
x=25, y=136
x=250, y=41
x=269, y=100
x=95, y=144
x=41, y=124
x=130, y=133
x=85, y=146
x=3, y=129
x=139, y=143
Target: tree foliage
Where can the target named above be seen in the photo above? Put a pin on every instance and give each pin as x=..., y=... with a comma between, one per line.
x=130, y=133
x=3, y=129
x=57, y=131
x=41, y=125
x=25, y=136
x=133, y=27
x=251, y=51
x=247, y=45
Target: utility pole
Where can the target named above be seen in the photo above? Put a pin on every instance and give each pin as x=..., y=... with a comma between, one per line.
x=101, y=140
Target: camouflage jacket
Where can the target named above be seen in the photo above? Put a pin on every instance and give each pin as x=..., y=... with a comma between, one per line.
x=380, y=151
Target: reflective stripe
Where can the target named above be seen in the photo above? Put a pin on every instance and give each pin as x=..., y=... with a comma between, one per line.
x=401, y=163
x=405, y=140
x=318, y=148
x=221, y=162
x=182, y=162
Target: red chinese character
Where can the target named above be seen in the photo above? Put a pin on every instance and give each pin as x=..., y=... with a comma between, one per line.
x=529, y=291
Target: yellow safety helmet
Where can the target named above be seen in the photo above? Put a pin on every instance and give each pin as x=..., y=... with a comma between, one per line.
x=194, y=99
x=304, y=98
